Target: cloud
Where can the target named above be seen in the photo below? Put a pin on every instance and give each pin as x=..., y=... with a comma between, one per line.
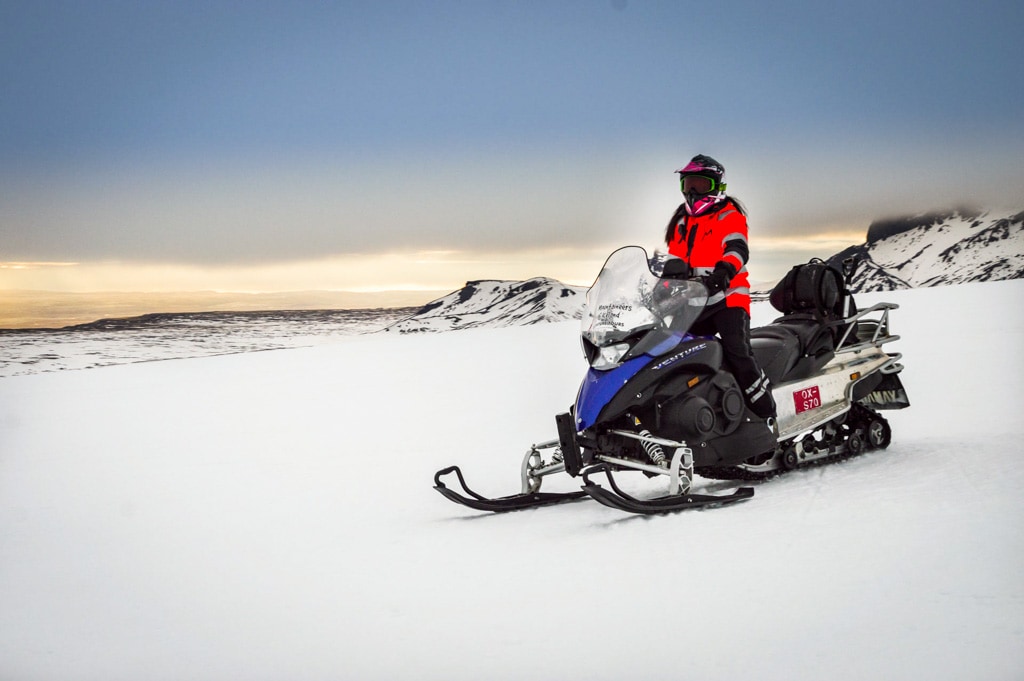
x=392, y=270
x=34, y=265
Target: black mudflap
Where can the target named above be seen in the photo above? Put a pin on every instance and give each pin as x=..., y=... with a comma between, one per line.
x=888, y=393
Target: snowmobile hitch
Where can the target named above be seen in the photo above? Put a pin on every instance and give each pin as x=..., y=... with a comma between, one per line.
x=513, y=502
x=616, y=498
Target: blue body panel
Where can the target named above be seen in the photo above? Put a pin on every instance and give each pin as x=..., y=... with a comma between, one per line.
x=599, y=387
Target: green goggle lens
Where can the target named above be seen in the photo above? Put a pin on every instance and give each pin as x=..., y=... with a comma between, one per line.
x=698, y=184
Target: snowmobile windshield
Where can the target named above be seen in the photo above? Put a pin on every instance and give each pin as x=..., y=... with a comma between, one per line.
x=628, y=298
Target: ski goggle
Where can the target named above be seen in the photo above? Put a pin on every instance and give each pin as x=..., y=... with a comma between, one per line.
x=699, y=184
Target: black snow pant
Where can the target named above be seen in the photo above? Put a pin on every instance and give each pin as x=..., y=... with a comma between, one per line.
x=732, y=324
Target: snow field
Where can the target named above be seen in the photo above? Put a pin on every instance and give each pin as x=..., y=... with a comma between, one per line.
x=270, y=516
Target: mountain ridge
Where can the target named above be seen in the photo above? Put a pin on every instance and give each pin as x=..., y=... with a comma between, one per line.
x=936, y=249
x=497, y=303
x=922, y=250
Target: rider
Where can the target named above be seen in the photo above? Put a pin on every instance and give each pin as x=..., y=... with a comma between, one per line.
x=709, y=233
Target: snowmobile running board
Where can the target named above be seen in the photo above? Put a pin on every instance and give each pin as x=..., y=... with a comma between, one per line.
x=513, y=502
x=667, y=504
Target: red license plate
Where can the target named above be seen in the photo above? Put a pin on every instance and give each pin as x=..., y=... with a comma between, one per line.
x=807, y=399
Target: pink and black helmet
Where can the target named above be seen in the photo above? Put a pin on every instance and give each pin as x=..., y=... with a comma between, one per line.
x=703, y=183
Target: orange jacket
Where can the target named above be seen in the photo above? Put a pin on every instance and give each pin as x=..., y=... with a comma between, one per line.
x=703, y=241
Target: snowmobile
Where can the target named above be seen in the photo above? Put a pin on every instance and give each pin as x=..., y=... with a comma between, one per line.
x=661, y=401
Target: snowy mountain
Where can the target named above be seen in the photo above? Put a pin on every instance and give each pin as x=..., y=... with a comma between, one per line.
x=490, y=303
x=933, y=249
x=952, y=247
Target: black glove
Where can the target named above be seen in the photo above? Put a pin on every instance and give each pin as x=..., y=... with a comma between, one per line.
x=720, y=278
x=676, y=268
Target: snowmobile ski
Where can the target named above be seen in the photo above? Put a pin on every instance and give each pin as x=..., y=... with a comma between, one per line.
x=513, y=502
x=616, y=498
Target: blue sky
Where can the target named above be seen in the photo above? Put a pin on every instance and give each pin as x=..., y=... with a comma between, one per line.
x=277, y=145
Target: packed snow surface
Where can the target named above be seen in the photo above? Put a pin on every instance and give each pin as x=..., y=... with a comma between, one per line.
x=156, y=337
x=270, y=516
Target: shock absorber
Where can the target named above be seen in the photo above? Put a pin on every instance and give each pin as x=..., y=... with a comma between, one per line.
x=654, y=451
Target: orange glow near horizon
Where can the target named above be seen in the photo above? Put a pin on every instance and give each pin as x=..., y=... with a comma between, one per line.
x=423, y=271
x=372, y=273
x=48, y=294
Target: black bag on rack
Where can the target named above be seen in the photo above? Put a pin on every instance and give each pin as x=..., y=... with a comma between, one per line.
x=814, y=287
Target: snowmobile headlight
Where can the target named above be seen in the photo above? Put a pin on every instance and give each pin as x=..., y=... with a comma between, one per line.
x=609, y=356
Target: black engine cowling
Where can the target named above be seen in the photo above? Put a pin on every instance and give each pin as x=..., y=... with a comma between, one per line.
x=709, y=407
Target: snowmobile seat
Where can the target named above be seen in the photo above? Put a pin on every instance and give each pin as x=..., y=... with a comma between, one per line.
x=816, y=343
x=815, y=337
x=776, y=350
x=792, y=347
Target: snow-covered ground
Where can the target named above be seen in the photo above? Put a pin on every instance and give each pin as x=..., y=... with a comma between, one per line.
x=156, y=337
x=270, y=516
